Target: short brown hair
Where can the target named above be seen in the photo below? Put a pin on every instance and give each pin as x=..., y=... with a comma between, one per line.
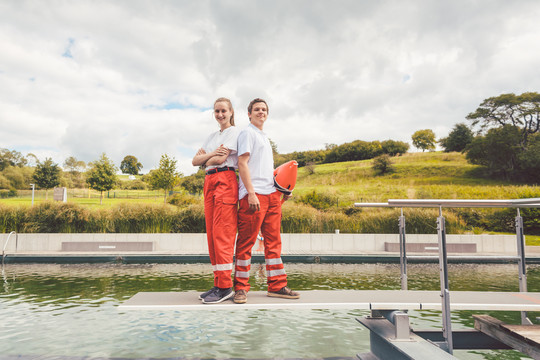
x=254, y=101
x=222, y=99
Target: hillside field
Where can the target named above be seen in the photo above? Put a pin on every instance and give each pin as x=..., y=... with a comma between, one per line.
x=432, y=175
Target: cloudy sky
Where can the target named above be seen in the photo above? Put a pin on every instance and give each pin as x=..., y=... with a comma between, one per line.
x=81, y=78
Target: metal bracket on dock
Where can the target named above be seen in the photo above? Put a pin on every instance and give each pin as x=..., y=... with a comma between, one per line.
x=399, y=319
x=391, y=338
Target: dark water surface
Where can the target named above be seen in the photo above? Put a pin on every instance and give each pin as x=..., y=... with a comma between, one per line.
x=70, y=311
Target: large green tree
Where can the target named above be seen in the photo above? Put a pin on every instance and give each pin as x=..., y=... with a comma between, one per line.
x=500, y=152
x=74, y=176
x=11, y=158
x=130, y=165
x=74, y=165
x=458, y=139
x=166, y=177
x=520, y=111
x=47, y=175
x=497, y=151
x=102, y=175
x=509, y=129
x=424, y=139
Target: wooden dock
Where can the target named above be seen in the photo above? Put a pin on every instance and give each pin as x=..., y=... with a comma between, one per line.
x=524, y=338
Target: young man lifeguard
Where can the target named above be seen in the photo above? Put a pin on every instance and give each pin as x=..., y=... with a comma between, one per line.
x=260, y=208
x=219, y=157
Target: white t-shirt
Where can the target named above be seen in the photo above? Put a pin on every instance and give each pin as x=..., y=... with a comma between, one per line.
x=261, y=162
x=229, y=139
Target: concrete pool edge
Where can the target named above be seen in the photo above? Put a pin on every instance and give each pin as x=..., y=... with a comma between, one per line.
x=57, y=258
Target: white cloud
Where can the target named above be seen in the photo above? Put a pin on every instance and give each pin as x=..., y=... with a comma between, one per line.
x=83, y=78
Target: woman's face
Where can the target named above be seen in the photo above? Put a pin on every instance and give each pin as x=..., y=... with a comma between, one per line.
x=223, y=114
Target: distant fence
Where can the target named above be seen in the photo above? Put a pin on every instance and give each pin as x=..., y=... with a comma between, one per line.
x=92, y=194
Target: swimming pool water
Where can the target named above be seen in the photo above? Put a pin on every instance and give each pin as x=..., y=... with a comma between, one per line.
x=70, y=311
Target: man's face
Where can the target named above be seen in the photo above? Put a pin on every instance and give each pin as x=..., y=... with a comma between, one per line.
x=259, y=114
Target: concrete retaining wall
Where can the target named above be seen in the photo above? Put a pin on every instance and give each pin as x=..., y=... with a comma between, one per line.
x=292, y=243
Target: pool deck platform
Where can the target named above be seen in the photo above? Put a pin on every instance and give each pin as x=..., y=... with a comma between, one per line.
x=343, y=299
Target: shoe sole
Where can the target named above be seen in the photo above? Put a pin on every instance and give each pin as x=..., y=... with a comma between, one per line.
x=220, y=300
x=283, y=296
x=243, y=301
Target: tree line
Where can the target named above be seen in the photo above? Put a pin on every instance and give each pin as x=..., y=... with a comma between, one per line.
x=350, y=151
x=100, y=175
x=503, y=137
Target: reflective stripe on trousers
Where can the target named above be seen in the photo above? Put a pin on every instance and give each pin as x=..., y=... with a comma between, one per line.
x=268, y=220
x=220, y=212
x=222, y=267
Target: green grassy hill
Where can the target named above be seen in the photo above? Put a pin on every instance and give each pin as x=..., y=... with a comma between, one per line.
x=432, y=175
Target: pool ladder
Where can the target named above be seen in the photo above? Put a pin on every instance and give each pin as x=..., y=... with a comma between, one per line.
x=5, y=245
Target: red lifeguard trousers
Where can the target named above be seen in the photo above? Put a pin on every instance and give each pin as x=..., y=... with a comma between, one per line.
x=220, y=211
x=268, y=219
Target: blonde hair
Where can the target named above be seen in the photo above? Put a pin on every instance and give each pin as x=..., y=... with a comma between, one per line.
x=222, y=99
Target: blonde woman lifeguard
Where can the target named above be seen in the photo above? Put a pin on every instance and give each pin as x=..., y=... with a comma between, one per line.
x=218, y=156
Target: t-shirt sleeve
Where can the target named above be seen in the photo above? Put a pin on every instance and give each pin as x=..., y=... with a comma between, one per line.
x=245, y=142
x=231, y=141
x=207, y=143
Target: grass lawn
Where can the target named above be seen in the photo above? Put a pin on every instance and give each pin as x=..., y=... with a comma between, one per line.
x=92, y=202
x=81, y=196
x=532, y=240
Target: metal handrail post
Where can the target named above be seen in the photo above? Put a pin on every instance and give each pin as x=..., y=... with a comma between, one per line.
x=402, y=251
x=445, y=293
x=521, y=263
x=6, y=243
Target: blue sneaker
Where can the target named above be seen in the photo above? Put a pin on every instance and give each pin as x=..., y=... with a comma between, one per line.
x=205, y=294
x=218, y=296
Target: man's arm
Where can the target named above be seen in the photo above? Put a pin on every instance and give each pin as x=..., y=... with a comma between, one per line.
x=243, y=171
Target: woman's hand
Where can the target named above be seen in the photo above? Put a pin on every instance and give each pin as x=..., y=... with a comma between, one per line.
x=221, y=150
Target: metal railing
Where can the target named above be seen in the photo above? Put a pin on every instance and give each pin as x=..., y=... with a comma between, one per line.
x=441, y=235
x=5, y=245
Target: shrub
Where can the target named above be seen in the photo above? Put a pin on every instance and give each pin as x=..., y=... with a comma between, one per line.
x=190, y=220
x=133, y=185
x=181, y=200
x=53, y=217
x=4, y=194
x=12, y=218
x=310, y=168
x=298, y=218
x=318, y=200
x=382, y=164
x=393, y=148
x=142, y=218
